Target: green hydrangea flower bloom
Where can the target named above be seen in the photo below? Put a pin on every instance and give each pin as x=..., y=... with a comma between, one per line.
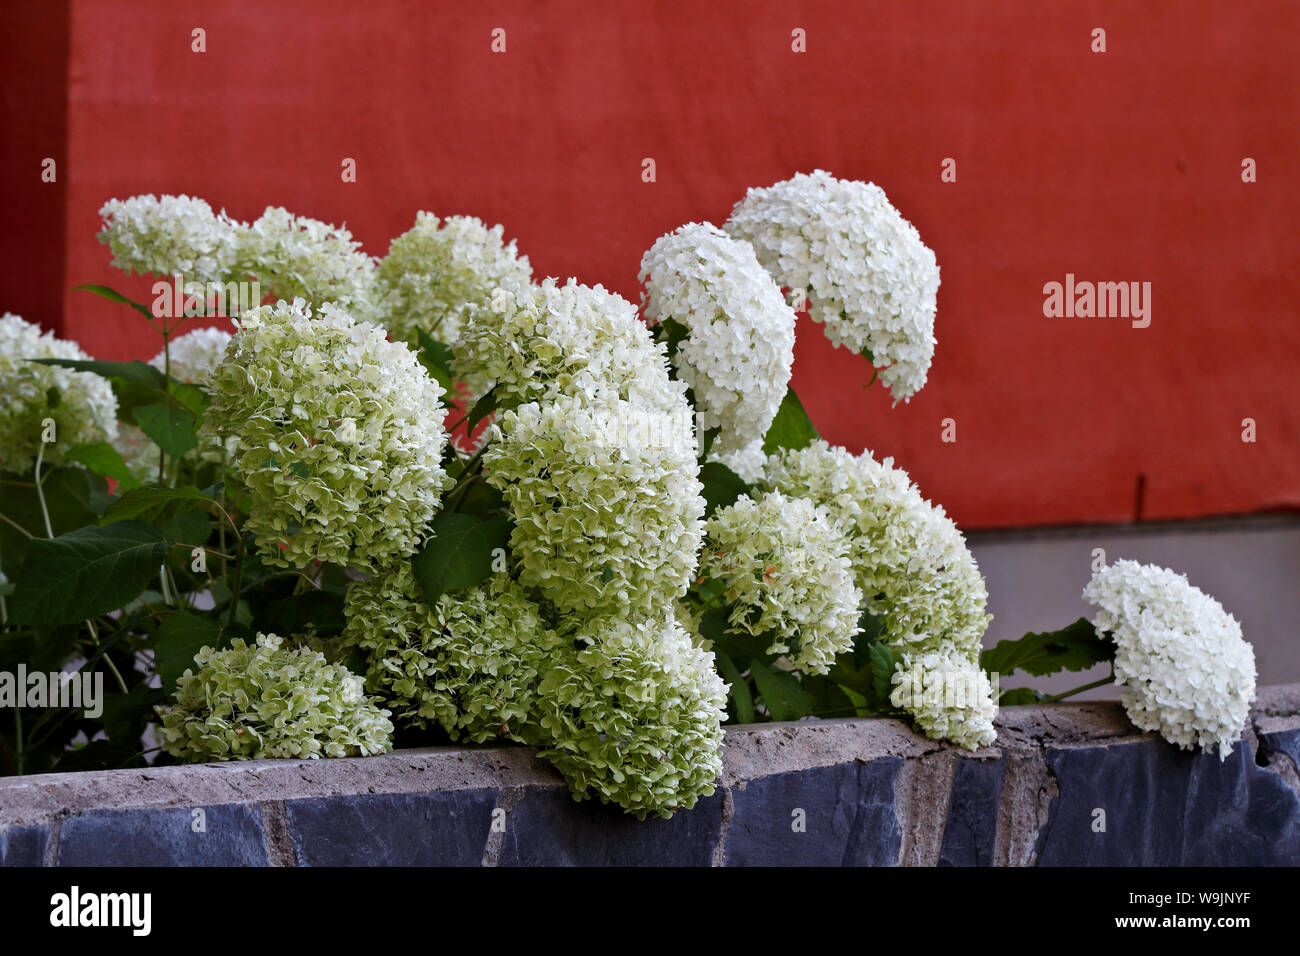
x=471, y=663
x=785, y=568
x=433, y=278
x=633, y=710
x=339, y=436
x=267, y=699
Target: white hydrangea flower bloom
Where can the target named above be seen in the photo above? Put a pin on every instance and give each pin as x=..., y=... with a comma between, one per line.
x=81, y=404
x=948, y=695
x=296, y=257
x=433, y=277
x=194, y=355
x=737, y=354
x=564, y=339
x=339, y=436
x=909, y=558
x=749, y=463
x=606, y=501
x=635, y=714
x=1184, y=669
x=171, y=235
x=784, y=566
x=866, y=274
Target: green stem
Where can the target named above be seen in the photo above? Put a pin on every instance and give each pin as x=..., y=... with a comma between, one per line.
x=239, y=582
x=107, y=660
x=1079, y=690
x=473, y=468
x=167, y=387
x=40, y=492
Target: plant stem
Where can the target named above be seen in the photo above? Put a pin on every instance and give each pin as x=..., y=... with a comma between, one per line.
x=40, y=492
x=239, y=582
x=107, y=660
x=1079, y=690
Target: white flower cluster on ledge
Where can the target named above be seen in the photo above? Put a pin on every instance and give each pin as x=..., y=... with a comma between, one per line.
x=480, y=507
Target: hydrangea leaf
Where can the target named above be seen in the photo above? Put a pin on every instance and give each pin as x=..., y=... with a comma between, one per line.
x=780, y=691
x=180, y=636
x=722, y=486
x=170, y=425
x=86, y=572
x=459, y=554
x=792, y=429
x=1073, y=648
x=155, y=504
x=103, y=459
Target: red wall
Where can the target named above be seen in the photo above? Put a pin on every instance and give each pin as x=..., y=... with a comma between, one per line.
x=1117, y=166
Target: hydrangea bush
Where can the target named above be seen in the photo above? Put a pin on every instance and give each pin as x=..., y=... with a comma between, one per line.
x=625, y=535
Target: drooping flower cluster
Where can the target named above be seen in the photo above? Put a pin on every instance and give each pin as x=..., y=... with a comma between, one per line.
x=784, y=565
x=910, y=560
x=606, y=501
x=866, y=274
x=266, y=699
x=634, y=712
x=1184, y=668
x=339, y=435
x=81, y=404
x=949, y=696
x=564, y=339
x=297, y=257
x=433, y=278
x=470, y=663
x=171, y=235
x=737, y=354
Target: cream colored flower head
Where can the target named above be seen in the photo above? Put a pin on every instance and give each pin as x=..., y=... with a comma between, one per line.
x=1184, y=668
x=739, y=346
x=863, y=269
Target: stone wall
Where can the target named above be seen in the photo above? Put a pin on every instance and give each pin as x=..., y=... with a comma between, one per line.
x=1065, y=784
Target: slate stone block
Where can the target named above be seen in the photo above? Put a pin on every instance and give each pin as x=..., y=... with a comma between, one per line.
x=23, y=845
x=549, y=828
x=1283, y=741
x=847, y=817
x=1168, y=807
x=970, y=831
x=163, y=837
x=1240, y=814
x=1140, y=786
x=442, y=828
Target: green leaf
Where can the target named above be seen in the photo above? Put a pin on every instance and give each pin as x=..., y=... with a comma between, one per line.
x=137, y=373
x=156, y=505
x=672, y=333
x=706, y=441
x=459, y=555
x=86, y=572
x=321, y=611
x=722, y=486
x=180, y=636
x=484, y=407
x=1073, y=648
x=780, y=691
x=75, y=497
x=436, y=358
x=792, y=428
x=171, y=426
x=113, y=295
x=739, y=690
x=103, y=459
x=126, y=714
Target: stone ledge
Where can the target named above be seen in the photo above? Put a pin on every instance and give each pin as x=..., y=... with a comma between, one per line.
x=835, y=792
